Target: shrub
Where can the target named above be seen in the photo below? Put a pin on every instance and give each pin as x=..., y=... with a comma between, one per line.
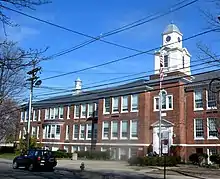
x=60, y=154
x=197, y=158
x=154, y=161
x=215, y=158
x=6, y=149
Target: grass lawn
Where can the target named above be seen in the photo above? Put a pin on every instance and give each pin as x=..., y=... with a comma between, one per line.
x=8, y=155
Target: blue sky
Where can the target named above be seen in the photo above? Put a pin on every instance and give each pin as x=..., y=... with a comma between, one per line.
x=96, y=17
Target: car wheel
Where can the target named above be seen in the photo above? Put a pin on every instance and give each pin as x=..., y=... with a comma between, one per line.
x=31, y=167
x=15, y=165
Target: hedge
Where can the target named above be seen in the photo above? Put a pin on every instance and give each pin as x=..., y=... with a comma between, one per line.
x=215, y=158
x=197, y=158
x=154, y=161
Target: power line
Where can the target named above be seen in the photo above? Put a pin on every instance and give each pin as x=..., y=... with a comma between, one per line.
x=121, y=29
x=130, y=56
x=71, y=90
x=117, y=78
x=106, y=34
x=150, y=90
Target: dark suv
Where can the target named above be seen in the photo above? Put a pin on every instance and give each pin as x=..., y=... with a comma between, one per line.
x=35, y=158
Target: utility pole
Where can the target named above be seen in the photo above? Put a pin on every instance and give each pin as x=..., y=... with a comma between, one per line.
x=33, y=81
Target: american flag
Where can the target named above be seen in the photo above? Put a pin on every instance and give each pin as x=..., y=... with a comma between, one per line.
x=161, y=68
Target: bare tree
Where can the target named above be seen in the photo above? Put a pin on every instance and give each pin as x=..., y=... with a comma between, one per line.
x=19, y=4
x=14, y=62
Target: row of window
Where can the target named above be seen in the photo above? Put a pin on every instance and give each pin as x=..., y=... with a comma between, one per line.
x=211, y=100
x=35, y=132
x=82, y=132
x=111, y=105
x=120, y=130
x=212, y=128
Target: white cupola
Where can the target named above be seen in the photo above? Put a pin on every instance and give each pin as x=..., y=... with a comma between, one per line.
x=175, y=57
x=78, y=86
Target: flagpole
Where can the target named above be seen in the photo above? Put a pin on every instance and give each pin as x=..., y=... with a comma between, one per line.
x=160, y=103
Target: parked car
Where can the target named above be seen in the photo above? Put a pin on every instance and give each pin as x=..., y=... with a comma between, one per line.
x=35, y=159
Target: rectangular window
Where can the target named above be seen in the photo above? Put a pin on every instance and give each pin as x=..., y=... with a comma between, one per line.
x=51, y=113
x=53, y=131
x=35, y=115
x=75, y=131
x=90, y=110
x=198, y=102
x=198, y=129
x=56, y=111
x=166, y=61
x=105, y=130
x=34, y=132
x=167, y=102
x=183, y=61
x=76, y=111
x=115, y=105
x=83, y=111
x=170, y=101
x=156, y=103
x=89, y=131
x=95, y=131
x=124, y=104
x=38, y=132
x=114, y=130
x=134, y=102
x=96, y=110
x=68, y=112
x=39, y=115
x=107, y=105
x=133, y=129
x=82, y=131
x=22, y=116
x=60, y=112
x=67, y=132
x=47, y=114
x=212, y=128
x=211, y=100
x=124, y=129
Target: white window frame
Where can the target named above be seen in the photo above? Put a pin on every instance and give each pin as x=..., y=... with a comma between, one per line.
x=95, y=131
x=104, y=138
x=167, y=103
x=96, y=109
x=81, y=116
x=104, y=110
x=22, y=114
x=34, y=114
x=32, y=131
x=38, y=132
x=207, y=101
x=80, y=127
x=45, y=131
x=87, y=131
x=67, y=132
x=59, y=112
x=53, y=110
x=74, y=131
x=208, y=136
x=194, y=100
x=113, y=100
x=194, y=129
x=133, y=138
x=47, y=114
x=90, y=104
x=68, y=112
x=121, y=137
x=132, y=103
x=76, y=117
x=56, y=109
x=25, y=116
x=114, y=138
x=122, y=103
x=39, y=115
x=20, y=134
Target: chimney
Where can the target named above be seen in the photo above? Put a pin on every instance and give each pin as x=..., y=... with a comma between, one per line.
x=78, y=86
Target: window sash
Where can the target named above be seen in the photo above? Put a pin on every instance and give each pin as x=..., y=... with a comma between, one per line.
x=166, y=61
x=124, y=129
x=95, y=131
x=75, y=131
x=39, y=115
x=105, y=129
x=212, y=99
x=60, y=112
x=89, y=131
x=134, y=102
x=199, y=131
x=82, y=131
x=134, y=131
x=83, y=111
x=56, y=111
x=198, y=99
x=90, y=110
x=67, y=132
x=107, y=105
x=68, y=112
x=115, y=106
x=76, y=111
x=212, y=128
x=114, y=129
x=124, y=103
x=51, y=113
